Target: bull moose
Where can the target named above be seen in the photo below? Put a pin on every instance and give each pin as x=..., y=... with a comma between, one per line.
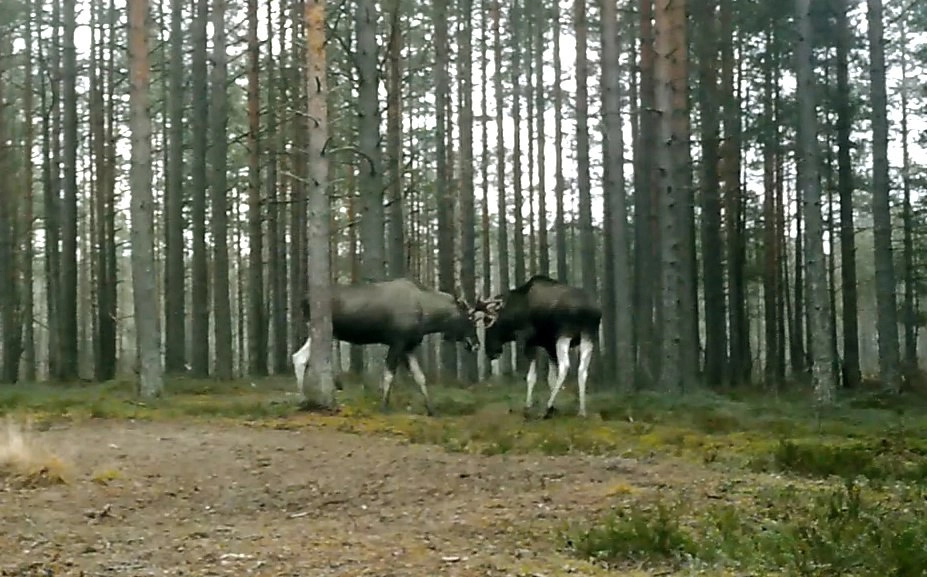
x=550, y=315
x=397, y=313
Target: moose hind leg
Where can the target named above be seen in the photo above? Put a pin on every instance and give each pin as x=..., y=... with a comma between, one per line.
x=531, y=379
x=300, y=362
x=419, y=377
x=563, y=367
x=389, y=373
x=586, y=346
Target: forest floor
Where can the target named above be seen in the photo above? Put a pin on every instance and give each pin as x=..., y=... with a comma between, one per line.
x=235, y=480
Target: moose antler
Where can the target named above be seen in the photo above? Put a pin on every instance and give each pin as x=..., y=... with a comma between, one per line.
x=489, y=309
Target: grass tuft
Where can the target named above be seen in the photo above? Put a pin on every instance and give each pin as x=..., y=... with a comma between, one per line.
x=24, y=463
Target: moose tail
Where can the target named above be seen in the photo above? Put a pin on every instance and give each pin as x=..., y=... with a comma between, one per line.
x=307, y=312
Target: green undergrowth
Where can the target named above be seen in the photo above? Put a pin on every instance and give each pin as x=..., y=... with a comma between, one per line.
x=848, y=529
x=883, y=439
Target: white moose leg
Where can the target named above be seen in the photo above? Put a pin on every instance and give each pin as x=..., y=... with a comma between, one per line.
x=586, y=347
x=300, y=362
x=551, y=374
x=388, y=376
x=531, y=379
x=419, y=377
x=563, y=367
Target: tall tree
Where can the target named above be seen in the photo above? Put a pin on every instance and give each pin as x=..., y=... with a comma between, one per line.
x=619, y=265
x=174, y=271
x=505, y=365
x=257, y=325
x=199, y=96
x=540, y=25
x=851, y=369
x=646, y=273
x=823, y=377
x=319, y=207
x=672, y=159
x=559, y=182
x=397, y=253
x=371, y=178
x=29, y=356
x=712, y=248
x=467, y=208
x=887, y=314
x=740, y=363
x=144, y=284
x=218, y=119
x=910, y=286
x=586, y=234
x=68, y=359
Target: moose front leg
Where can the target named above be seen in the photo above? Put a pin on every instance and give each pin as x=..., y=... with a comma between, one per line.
x=393, y=357
x=419, y=377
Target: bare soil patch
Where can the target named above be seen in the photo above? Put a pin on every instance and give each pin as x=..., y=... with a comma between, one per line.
x=187, y=498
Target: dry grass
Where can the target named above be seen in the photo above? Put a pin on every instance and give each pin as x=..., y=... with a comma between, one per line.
x=24, y=462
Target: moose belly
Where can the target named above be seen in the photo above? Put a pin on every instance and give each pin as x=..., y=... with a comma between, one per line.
x=359, y=333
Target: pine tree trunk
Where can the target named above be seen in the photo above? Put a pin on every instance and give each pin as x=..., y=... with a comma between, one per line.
x=670, y=157
x=733, y=195
x=444, y=199
x=319, y=220
x=560, y=184
x=257, y=324
x=29, y=357
x=505, y=361
x=467, y=208
x=199, y=359
x=887, y=313
x=823, y=377
x=910, y=288
x=646, y=275
x=619, y=264
x=174, y=270
x=144, y=286
x=712, y=244
x=587, y=238
x=218, y=119
x=68, y=358
x=770, y=236
x=540, y=25
x=397, y=253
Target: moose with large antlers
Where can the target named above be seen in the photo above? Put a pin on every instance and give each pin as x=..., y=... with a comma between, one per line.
x=397, y=313
x=550, y=315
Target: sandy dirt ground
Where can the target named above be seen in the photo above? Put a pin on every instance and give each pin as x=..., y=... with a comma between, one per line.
x=218, y=499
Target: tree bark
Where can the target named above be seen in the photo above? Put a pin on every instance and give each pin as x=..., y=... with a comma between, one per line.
x=886, y=307
x=257, y=324
x=68, y=358
x=467, y=208
x=615, y=194
x=319, y=220
x=910, y=288
x=587, y=238
x=505, y=364
x=199, y=359
x=397, y=253
x=823, y=377
x=218, y=119
x=712, y=244
x=144, y=284
x=175, y=337
x=559, y=183
x=851, y=370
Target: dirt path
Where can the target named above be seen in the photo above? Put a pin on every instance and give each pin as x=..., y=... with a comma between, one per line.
x=194, y=499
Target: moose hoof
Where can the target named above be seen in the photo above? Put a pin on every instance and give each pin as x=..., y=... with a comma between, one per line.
x=526, y=412
x=429, y=411
x=550, y=412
